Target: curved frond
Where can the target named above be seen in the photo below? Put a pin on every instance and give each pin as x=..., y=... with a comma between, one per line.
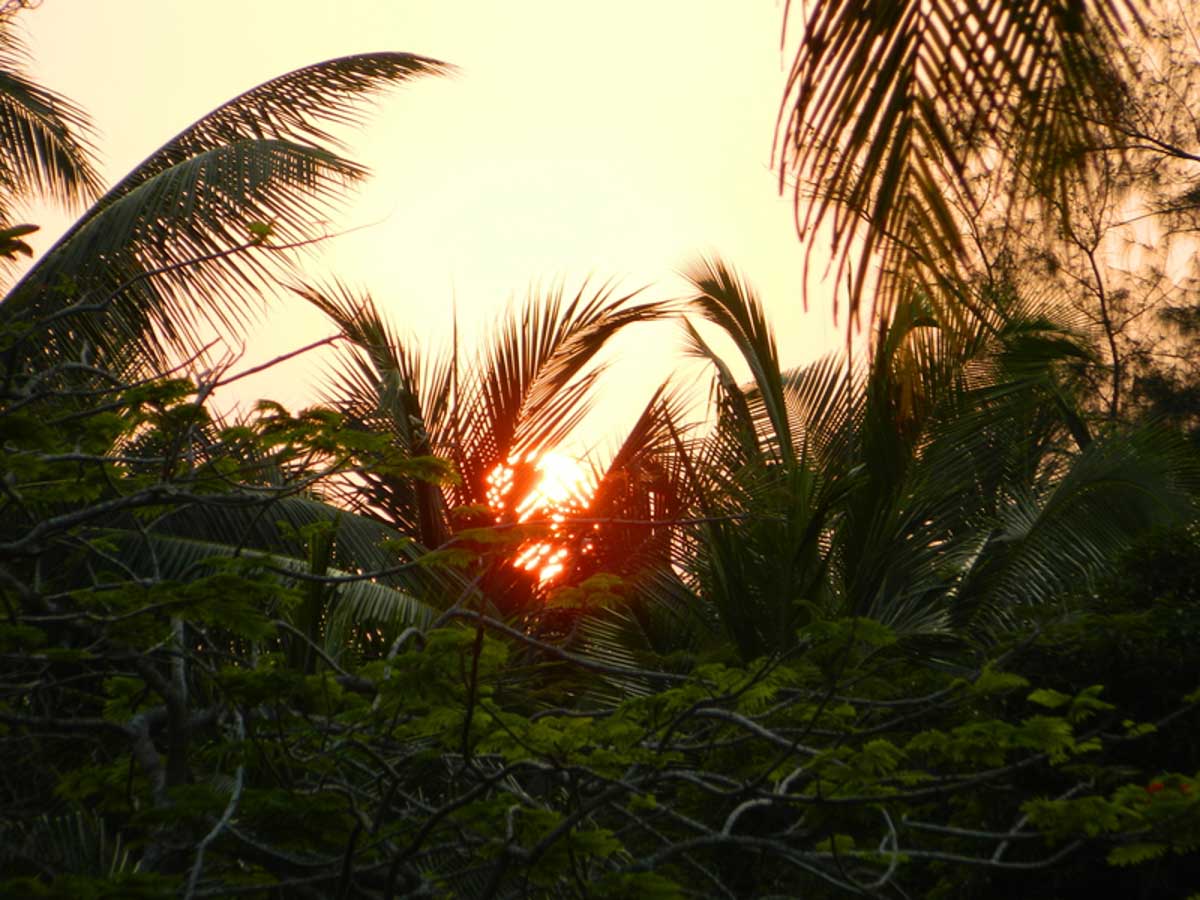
x=728, y=302
x=823, y=404
x=289, y=108
x=642, y=482
x=383, y=384
x=172, y=237
x=365, y=607
x=149, y=266
x=893, y=108
x=45, y=140
x=531, y=386
x=736, y=433
x=362, y=544
x=1115, y=489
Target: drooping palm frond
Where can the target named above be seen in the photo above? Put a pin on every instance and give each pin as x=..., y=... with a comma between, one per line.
x=291, y=107
x=192, y=212
x=172, y=242
x=45, y=139
x=347, y=608
x=75, y=843
x=957, y=418
x=893, y=109
x=641, y=487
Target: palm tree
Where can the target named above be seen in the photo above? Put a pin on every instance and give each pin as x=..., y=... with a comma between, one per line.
x=941, y=491
x=493, y=416
x=194, y=233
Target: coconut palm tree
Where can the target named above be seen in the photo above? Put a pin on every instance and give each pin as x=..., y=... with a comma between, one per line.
x=493, y=415
x=940, y=490
x=194, y=234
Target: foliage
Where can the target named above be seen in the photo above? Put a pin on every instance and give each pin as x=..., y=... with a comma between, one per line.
x=205, y=224
x=894, y=113
x=192, y=730
x=187, y=752
x=869, y=635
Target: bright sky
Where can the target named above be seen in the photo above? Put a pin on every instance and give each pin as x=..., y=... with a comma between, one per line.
x=612, y=140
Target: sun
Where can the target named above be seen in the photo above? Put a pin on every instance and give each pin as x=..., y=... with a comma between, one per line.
x=564, y=484
x=563, y=487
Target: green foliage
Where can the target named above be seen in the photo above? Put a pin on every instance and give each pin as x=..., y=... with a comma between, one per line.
x=874, y=643
x=471, y=747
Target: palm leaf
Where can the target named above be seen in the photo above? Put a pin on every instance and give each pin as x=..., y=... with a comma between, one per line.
x=77, y=843
x=362, y=545
x=640, y=483
x=192, y=212
x=356, y=604
x=168, y=239
x=726, y=301
x=892, y=109
x=1116, y=489
x=45, y=140
x=381, y=384
x=822, y=408
x=531, y=384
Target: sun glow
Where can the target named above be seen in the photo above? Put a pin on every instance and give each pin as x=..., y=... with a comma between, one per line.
x=562, y=487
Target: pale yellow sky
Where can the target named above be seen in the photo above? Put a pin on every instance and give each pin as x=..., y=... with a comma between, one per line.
x=616, y=140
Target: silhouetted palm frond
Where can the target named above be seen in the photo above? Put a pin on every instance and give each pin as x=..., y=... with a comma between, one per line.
x=197, y=231
x=45, y=140
x=892, y=108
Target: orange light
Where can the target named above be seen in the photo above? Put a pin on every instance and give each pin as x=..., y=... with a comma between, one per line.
x=564, y=487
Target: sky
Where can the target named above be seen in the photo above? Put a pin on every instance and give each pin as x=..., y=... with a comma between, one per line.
x=603, y=141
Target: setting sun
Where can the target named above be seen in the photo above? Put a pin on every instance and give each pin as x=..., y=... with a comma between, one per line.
x=563, y=486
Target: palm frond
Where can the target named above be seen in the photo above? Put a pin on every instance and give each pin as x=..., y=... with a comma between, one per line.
x=76, y=843
x=822, y=402
x=1116, y=489
x=362, y=604
x=290, y=108
x=528, y=374
x=362, y=545
x=640, y=483
x=366, y=607
x=737, y=435
x=45, y=140
x=183, y=225
x=728, y=302
x=167, y=243
x=891, y=109
x=531, y=386
x=381, y=385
